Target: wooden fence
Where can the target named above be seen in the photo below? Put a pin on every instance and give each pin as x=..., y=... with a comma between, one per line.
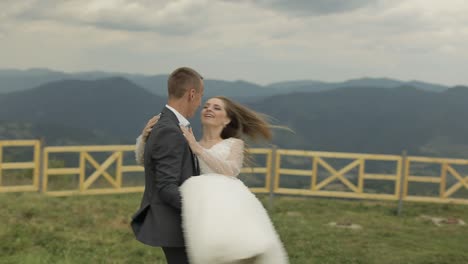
x=326, y=174
x=87, y=184
x=354, y=190
x=30, y=182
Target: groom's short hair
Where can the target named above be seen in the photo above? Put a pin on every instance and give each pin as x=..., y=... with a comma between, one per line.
x=182, y=79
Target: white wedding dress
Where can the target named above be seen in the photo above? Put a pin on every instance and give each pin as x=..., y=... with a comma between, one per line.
x=223, y=222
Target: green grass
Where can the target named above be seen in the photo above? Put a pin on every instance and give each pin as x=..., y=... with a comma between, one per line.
x=95, y=229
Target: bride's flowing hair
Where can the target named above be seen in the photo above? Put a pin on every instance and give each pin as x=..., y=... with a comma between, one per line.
x=244, y=122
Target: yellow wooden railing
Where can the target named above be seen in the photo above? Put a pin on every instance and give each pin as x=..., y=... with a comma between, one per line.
x=274, y=169
x=85, y=185
x=317, y=187
x=6, y=167
x=261, y=170
x=446, y=192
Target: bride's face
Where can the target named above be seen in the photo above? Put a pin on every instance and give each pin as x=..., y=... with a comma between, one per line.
x=214, y=113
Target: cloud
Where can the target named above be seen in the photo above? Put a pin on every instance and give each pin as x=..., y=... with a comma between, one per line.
x=310, y=7
x=257, y=40
x=162, y=17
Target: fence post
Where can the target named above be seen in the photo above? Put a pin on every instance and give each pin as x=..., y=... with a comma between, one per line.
x=271, y=195
x=1, y=161
x=404, y=157
x=41, y=164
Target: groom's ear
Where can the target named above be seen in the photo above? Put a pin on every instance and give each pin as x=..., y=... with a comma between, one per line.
x=192, y=93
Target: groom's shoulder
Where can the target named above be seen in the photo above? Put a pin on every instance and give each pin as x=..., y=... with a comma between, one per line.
x=165, y=134
x=166, y=122
x=166, y=126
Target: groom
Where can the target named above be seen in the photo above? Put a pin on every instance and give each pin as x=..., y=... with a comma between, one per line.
x=168, y=162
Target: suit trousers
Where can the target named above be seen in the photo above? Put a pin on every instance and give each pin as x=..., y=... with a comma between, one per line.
x=176, y=255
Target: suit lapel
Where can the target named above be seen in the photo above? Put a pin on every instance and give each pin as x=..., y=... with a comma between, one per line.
x=196, y=164
x=173, y=117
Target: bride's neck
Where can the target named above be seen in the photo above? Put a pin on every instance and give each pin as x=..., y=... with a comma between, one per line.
x=211, y=134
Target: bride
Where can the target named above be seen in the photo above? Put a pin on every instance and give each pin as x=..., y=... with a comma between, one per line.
x=223, y=221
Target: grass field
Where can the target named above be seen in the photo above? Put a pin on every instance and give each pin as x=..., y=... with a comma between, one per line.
x=95, y=229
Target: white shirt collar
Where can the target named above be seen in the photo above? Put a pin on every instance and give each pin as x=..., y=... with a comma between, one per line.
x=182, y=120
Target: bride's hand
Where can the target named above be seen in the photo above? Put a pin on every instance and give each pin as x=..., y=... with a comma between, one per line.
x=188, y=134
x=149, y=126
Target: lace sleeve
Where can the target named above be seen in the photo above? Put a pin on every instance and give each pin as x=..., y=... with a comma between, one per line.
x=139, y=150
x=231, y=166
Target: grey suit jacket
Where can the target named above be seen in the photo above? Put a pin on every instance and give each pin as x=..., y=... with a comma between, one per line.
x=168, y=162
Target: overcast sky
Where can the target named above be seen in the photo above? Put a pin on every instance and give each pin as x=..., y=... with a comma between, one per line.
x=262, y=41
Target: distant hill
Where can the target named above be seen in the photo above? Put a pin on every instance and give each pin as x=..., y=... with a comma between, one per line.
x=114, y=106
x=352, y=119
x=55, y=134
x=18, y=80
x=315, y=86
x=366, y=119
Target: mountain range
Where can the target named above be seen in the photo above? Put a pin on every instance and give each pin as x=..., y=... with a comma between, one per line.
x=356, y=118
x=18, y=80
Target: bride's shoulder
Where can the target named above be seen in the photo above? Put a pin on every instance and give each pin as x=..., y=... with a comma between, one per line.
x=235, y=141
